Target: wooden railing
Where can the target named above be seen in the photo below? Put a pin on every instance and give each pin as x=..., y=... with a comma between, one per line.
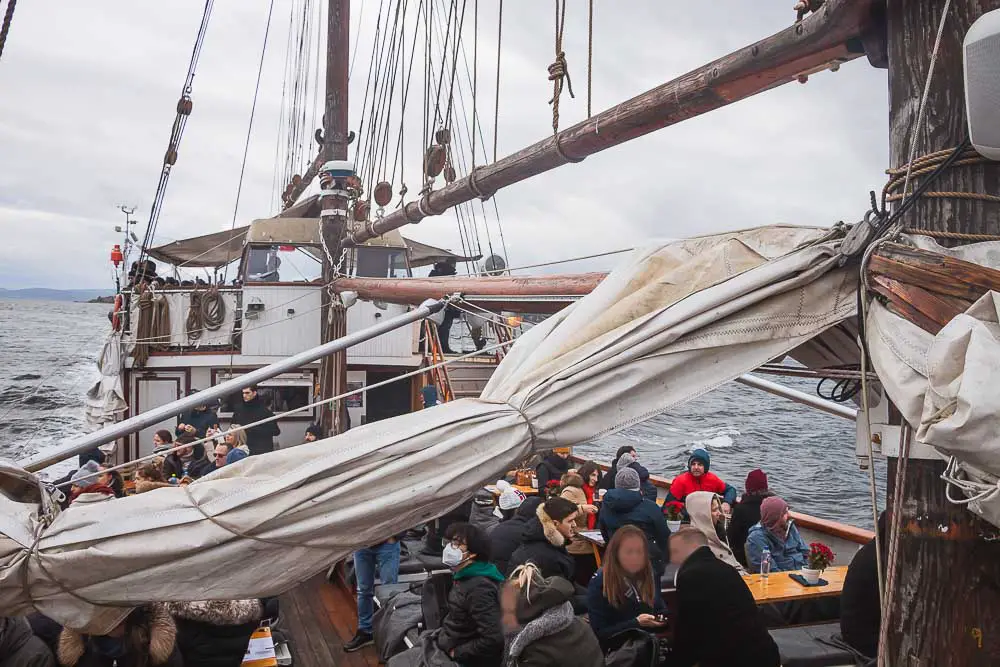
x=433, y=355
x=825, y=526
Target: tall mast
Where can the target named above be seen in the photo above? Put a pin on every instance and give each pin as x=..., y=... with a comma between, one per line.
x=334, y=203
x=946, y=609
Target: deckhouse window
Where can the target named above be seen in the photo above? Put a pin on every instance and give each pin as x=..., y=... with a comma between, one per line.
x=283, y=263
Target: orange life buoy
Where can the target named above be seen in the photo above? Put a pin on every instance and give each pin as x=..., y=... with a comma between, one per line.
x=116, y=322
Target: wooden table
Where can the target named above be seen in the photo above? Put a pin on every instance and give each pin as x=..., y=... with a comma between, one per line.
x=526, y=490
x=596, y=542
x=779, y=587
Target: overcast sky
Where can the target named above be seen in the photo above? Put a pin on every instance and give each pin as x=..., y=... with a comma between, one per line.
x=87, y=98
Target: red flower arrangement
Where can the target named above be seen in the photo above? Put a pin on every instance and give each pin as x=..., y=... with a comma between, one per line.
x=820, y=556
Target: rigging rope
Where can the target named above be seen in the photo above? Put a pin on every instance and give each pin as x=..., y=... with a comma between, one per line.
x=5, y=27
x=207, y=312
x=246, y=144
x=153, y=324
x=496, y=99
x=176, y=133
x=559, y=69
x=590, y=56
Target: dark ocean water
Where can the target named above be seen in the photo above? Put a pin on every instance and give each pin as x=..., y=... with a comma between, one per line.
x=47, y=362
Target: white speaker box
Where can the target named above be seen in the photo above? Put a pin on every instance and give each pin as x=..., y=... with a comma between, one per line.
x=981, y=58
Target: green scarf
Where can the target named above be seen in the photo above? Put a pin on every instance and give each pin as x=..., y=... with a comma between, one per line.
x=478, y=568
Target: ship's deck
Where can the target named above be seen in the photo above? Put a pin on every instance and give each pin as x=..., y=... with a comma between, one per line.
x=318, y=618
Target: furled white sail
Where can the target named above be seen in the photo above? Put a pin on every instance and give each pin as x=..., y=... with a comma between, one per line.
x=945, y=385
x=671, y=323
x=105, y=400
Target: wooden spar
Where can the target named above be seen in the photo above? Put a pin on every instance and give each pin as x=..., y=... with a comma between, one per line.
x=829, y=37
x=945, y=610
x=535, y=294
x=333, y=216
x=293, y=191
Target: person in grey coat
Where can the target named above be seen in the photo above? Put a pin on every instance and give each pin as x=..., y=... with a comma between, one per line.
x=19, y=647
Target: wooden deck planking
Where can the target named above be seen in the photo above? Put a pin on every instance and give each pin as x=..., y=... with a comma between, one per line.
x=318, y=619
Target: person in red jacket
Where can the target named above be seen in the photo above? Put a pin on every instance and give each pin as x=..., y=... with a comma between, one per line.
x=698, y=478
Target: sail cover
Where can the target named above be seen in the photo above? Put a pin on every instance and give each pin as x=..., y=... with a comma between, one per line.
x=105, y=400
x=670, y=323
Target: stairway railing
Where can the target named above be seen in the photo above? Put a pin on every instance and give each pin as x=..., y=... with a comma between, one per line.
x=433, y=355
x=504, y=335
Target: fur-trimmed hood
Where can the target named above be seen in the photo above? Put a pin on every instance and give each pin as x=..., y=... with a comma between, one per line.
x=218, y=612
x=549, y=529
x=144, y=485
x=549, y=623
x=149, y=631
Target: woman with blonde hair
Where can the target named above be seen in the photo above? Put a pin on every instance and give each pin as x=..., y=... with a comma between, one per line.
x=237, y=442
x=624, y=594
x=541, y=627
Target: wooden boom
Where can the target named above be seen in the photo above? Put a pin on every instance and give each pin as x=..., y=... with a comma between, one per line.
x=825, y=39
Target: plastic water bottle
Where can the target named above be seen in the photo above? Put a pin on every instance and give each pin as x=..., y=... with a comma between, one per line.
x=765, y=563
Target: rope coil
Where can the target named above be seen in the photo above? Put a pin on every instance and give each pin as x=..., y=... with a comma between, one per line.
x=207, y=312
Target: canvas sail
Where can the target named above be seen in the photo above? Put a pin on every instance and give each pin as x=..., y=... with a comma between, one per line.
x=670, y=323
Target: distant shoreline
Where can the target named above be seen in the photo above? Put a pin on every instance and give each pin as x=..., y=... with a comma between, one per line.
x=100, y=299
x=47, y=294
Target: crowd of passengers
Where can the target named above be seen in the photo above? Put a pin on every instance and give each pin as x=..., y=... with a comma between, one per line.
x=525, y=587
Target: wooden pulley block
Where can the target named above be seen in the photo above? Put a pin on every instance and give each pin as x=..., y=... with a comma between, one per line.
x=361, y=209
x=184, y=106
x=436, y=158
x=383, y=193
x=449, y=174
x=443, y=136
x=171, y=156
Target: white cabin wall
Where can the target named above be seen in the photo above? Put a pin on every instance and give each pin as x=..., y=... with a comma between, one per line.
x=390, y=349
x=289, y=323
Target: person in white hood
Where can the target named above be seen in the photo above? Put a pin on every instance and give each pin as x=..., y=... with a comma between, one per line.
x=705, y=510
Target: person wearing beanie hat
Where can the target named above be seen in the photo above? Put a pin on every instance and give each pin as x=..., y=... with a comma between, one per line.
x=630, y=459
x=510, y=498
x=538, y=614
x=625, y=505
x=698, y=478
x=777, y=532
x=90, y=484
x=746, y=513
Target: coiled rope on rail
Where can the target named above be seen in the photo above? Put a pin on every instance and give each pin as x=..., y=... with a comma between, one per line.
x=207, y=312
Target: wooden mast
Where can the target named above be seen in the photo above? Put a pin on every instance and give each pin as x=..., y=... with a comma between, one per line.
x=333, y=369
x=946, y=607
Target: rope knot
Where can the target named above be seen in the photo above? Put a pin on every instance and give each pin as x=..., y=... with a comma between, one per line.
x=558, y=71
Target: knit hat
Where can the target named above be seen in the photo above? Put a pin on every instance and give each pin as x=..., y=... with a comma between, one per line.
x=315, y=430
x=700, y=455
x=562, y=450
x=87, y=474
x=510, y=498
x=756, y=481
x=627, y=479
x=627, y=459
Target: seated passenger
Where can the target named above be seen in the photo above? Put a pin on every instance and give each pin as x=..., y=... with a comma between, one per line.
x=553, y=467
x=545, y=538
x=698, y=478
x=542, y=629
x=860, y=608
x=571, y=488
x=630, y=459
x=220, y=454
x=149, y=477
x=590, y=473
x=197, y=421
x=510, y=499
x=482, y=514
x=189, y=461
x=509, y=535
x=313, y=433
x=471, y=633
x=147, y=637
x=624, y=505
x=19, y=647
x=162, y=441
x=215, y=633
x=717, y=623
x=608, y=481
x=624, y=594
x=90, y=484
x=746, y=513
x=237, y=442
x=777, y=532
x=705, y=510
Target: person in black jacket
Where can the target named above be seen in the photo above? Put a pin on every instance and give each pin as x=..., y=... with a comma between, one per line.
x=260, y=439
x=196, y=422
x=19, y=647
x=446, y=268
x=508, y=536
x=471, y=633
x=552, y=468
x=545, y=538
x=746, y=513
x=146, y=638
x=860, y=610
x=215, y=633
x=624, y=594
x=625, y=505
x=630, y=459
x=187, y=461
x=712, y=598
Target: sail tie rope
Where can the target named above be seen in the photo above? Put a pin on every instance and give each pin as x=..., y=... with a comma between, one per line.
x=5, y=28
x=559, y=70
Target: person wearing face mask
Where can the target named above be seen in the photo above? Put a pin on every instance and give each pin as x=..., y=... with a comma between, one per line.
x=542, y=629
x=146, y=638
x=698, y=478
x=776, y=531
x=705, y=510
x=624, y=594
x=471, y=633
